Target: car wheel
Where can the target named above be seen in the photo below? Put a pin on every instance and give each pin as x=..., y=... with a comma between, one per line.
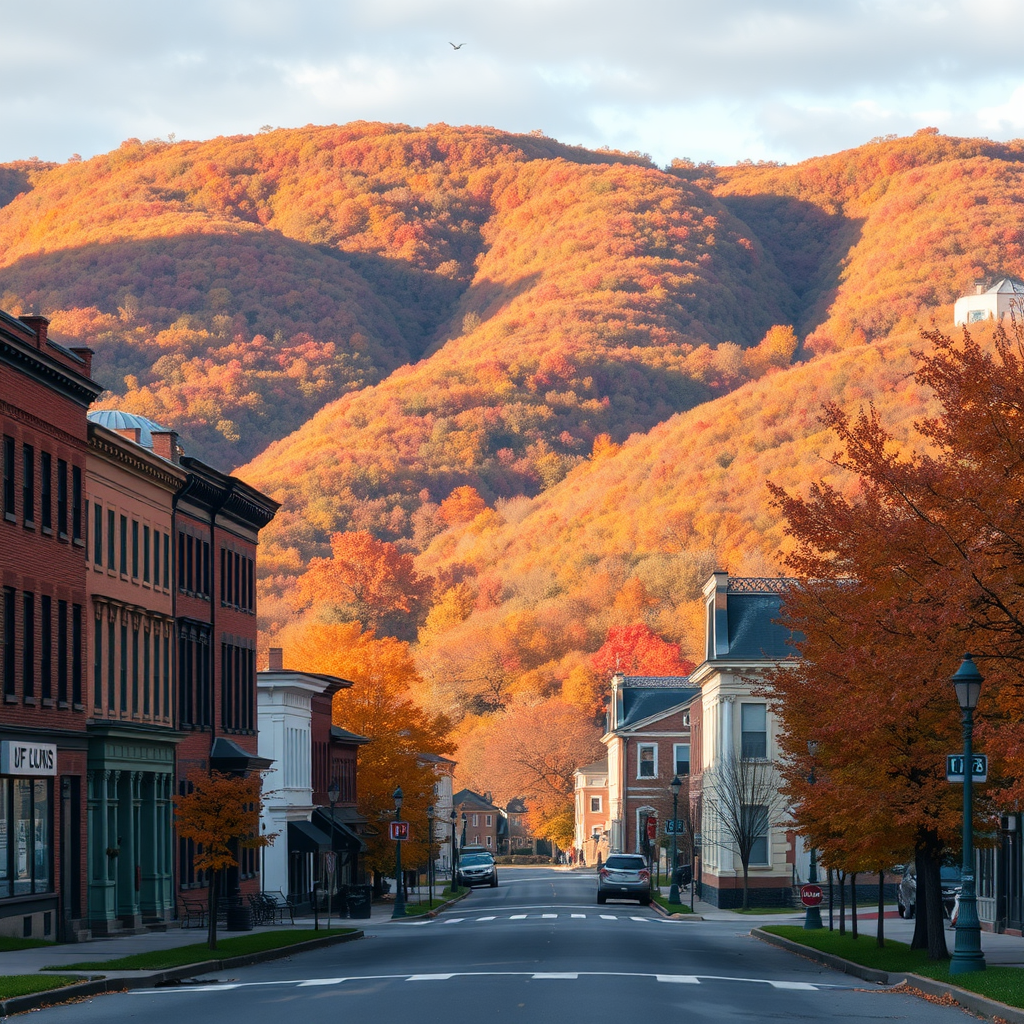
x=901, y=910
x=601, y=898
x=645, y=901
x=494, y=883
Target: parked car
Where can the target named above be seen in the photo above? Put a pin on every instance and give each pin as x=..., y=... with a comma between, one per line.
x=476, y=867
x=906, y=891
x=624, y=876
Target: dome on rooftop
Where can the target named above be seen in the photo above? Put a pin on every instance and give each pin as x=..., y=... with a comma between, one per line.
x=116, y=419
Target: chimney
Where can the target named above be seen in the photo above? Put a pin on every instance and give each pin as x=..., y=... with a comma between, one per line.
x=85, y=354
x=276, y=655
x=979, y=287
x=165, y=444
x=39, y=324
x=132, y=433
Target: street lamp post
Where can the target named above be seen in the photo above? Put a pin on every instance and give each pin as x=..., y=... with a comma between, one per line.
x=674, y=786
x=812, y=917
x=967, y=954
x=454, y=817
x=333, y=792
x=430, y=853
x=464, y=822
x=399, y=910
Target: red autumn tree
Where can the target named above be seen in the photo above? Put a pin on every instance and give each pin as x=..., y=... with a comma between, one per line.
x=896, y=583
x=638, y=650
x=220, y=814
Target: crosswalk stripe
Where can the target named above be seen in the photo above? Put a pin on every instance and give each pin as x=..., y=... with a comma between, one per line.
x=678, y=979
x=584, y=916
x=549, y=915
x=485, y=918
x=565, y=976
x=608, y=917
x=455, y=920
x=430, y=977
x=794, y=986
x=518, y=917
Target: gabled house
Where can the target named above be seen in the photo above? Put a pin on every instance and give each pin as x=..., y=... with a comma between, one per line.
x=477, y=820
x=590, y=812
x=733, y=726
x=444, y=769
x=992, y=303
x=648, y=741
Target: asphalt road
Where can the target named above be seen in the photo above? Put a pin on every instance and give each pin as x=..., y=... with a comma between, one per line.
x=536, y=948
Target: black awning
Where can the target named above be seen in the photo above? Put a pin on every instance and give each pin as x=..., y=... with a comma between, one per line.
x=228, y=756
x=345, y=840
x=305, y=837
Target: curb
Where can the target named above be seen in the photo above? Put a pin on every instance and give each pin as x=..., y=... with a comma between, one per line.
x=447, y=904
x=150, y=979
x=971, y=1001
x=659, y=909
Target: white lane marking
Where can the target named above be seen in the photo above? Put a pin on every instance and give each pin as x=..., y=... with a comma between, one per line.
x=584, y=916
x=454, y=920
x=549, y=915
x=677, y=979
x=518, y=917
x=485, y=918
x=644, y=919
x=608, y=917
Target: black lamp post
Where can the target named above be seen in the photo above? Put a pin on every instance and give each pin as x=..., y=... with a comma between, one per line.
x=430, y=852
x=464, y=821
x=967, y=954
x=812, y=917
x=399, y=910
x=333, y=792
x=674, y=786
x=454, y=817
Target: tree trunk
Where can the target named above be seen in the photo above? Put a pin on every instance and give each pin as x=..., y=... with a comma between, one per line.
x=211, y=933
x=853, y=904
x=831, y=902
x=745, y=889
x=880, y=933
x=928, y=927
x=841, y=876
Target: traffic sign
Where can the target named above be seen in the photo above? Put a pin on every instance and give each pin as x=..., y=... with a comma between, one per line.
x=399, y=830
x=675, y=827
x=811, y=895
x=652, y=828
x=955, y=767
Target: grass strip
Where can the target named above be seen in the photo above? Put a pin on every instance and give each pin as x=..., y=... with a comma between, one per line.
x=766, y=910
x=418, y=909
x=672, y=908
x=1004, y=984
x=12, y=985
x=181, y=956
x=9, y=944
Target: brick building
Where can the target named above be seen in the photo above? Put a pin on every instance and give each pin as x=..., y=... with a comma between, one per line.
x=45, y=392
x=590, y=811
x=477, y=819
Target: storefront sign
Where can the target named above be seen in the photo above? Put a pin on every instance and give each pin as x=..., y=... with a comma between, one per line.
x=23, y=757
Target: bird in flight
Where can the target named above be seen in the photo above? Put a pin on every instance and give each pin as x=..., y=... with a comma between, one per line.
x=454, y=47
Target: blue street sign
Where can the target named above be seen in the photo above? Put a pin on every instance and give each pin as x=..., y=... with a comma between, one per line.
x=955, y=767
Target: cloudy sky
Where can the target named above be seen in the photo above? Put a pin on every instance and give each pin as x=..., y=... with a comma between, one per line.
x=722, y=81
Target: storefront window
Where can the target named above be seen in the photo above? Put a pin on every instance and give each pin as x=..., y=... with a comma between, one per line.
x=42, y=825
x=26, y=836
x=22, y=836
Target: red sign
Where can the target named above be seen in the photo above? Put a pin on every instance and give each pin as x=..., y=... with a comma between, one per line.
x=399, y=830
x=811, y=895
x=652, y=828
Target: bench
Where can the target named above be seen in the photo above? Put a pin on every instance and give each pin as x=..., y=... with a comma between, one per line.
x=273, y=906
x=193, y=913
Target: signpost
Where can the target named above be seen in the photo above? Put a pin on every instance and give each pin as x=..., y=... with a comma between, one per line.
x=675, y=827
x=811, y=895
x=955, y=767
x=399, y=830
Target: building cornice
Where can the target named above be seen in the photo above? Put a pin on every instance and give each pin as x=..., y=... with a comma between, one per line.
x=111, y=445
x=40, y=366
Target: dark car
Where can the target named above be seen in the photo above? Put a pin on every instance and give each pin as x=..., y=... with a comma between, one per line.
x=476, y=869
x=906, y=892
x=624, y=876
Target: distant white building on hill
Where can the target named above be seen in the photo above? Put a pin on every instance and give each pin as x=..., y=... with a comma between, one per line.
x=990, y=303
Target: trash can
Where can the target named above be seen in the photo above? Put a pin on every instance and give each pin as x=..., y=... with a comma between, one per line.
x=339, y=901
x=359, y=901
x=239, y=919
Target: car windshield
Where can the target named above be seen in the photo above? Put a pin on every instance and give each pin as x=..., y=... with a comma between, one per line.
x=625, y=863
x=949, y=873
x=476, y=859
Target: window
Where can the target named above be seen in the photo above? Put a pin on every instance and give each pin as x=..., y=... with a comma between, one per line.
x=145, y=554
x=975, y=315
x=193, y=674
x=595, y=804
x=124, y=545
x=8, y=492
x=26, y=859
x=97, y=534
x=647, y=761
x=111, y=521
x=76, y=655
x=488, y=840
x=76, y=503
x=490, y=820
x=97, y=669
x=46, y=647
x=755, y=826
x=476, y=819
x=135, y=549
x=28, y=484
x=9, y=655
x=167, y=561
x=681, y=758
x=754, y=726
x=62, y=652
x=46, y=490
x=62, y=497
x=238, y=687
x=28, y=645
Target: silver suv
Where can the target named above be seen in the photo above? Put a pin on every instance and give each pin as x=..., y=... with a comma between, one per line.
x=477, y=869
x=624, y=876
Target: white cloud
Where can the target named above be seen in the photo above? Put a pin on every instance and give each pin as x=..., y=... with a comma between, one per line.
x=780, y=79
